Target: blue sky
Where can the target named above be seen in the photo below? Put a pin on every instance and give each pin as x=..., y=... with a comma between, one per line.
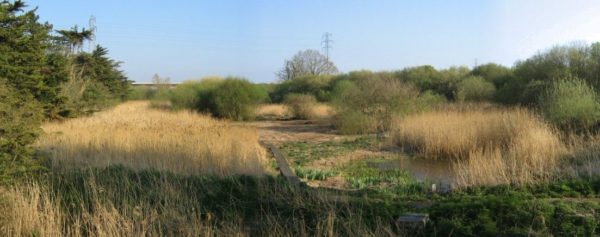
x=252, y=38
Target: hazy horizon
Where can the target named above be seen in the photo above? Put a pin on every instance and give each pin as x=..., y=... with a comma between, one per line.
x=251, y=39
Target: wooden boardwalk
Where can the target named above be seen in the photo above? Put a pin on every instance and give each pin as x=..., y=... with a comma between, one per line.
x=282, y=164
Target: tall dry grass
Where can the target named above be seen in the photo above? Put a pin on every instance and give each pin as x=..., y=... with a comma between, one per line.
x=273, y=111
x=583, y=159
x=138, y=137
x=488, y=146
x=32, y=210
x=323, y=111
x=282, y=111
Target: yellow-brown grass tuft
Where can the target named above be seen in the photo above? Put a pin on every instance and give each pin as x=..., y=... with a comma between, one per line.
x=138, y=137
x=273, y=111
x=491, y=146
x=29, y=213
x=282, y=111
x=322, y=111
x=31, y=210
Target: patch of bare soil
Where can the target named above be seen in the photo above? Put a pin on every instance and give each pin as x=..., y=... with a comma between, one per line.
x=279, y=132
x=335, y=182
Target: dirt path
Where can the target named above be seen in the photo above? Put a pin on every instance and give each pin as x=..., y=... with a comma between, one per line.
x=279, y=132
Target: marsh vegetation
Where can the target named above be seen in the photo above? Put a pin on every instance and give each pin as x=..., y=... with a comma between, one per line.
x=485, y=151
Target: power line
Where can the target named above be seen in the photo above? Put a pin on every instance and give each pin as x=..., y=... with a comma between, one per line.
x=326, y=43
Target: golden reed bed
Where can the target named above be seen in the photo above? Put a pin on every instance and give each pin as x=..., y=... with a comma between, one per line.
x=139, y=137
x=487, y=146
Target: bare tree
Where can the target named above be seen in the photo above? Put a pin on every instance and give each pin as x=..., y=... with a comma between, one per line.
x=306, y=63
x=160, y=81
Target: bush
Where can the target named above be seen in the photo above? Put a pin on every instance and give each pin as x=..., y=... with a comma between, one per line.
x=430, y=99
x=195, y=95
x=264, y=90
x=475, y=88
x=355, y=122
x=236, y=99
x=189, y=94
x=571, y=103
x=318, y=86
x=20, y=118
x=368, y=105
x=85, y=97
x=137, y=93
x=301, y=105
x=230, y=98
x=494, y=73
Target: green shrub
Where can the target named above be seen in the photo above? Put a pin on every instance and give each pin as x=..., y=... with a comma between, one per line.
x=571, y=103
x=301, y=105
x=318, y=86
x=230, y=98
x=85, y=97
x=195, y=95
x=429, y=99
x=137, y=93
x=368, y=105
x=355, y=122
x=98, y=83
x=264, y=90
x=475, y=88
x=494, y=73
x=20, y=117
x=236, y=99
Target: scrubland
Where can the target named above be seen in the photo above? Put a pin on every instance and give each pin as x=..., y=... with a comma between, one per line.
x=517, y=150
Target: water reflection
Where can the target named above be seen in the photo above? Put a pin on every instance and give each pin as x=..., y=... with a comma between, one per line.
x=426, y=170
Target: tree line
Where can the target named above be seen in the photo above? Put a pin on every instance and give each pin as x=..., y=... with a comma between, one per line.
x=561, y=83
x=45, y=75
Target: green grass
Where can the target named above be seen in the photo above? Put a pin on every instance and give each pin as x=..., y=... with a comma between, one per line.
x=360, y=175
x=301, y=153
x=394, y=183
x=514, y=213
x=314, y=174
x=388, y=183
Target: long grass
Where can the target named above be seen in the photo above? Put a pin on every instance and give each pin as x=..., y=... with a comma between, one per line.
x=273, y=111
x=282, y=111
x=139, y=137
x=488, y=146
x=323, y=111
x=119, y=202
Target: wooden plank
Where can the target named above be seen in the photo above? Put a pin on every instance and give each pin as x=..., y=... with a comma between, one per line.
x=284, y=167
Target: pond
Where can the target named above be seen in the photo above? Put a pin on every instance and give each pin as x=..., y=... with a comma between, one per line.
x=426, y=170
